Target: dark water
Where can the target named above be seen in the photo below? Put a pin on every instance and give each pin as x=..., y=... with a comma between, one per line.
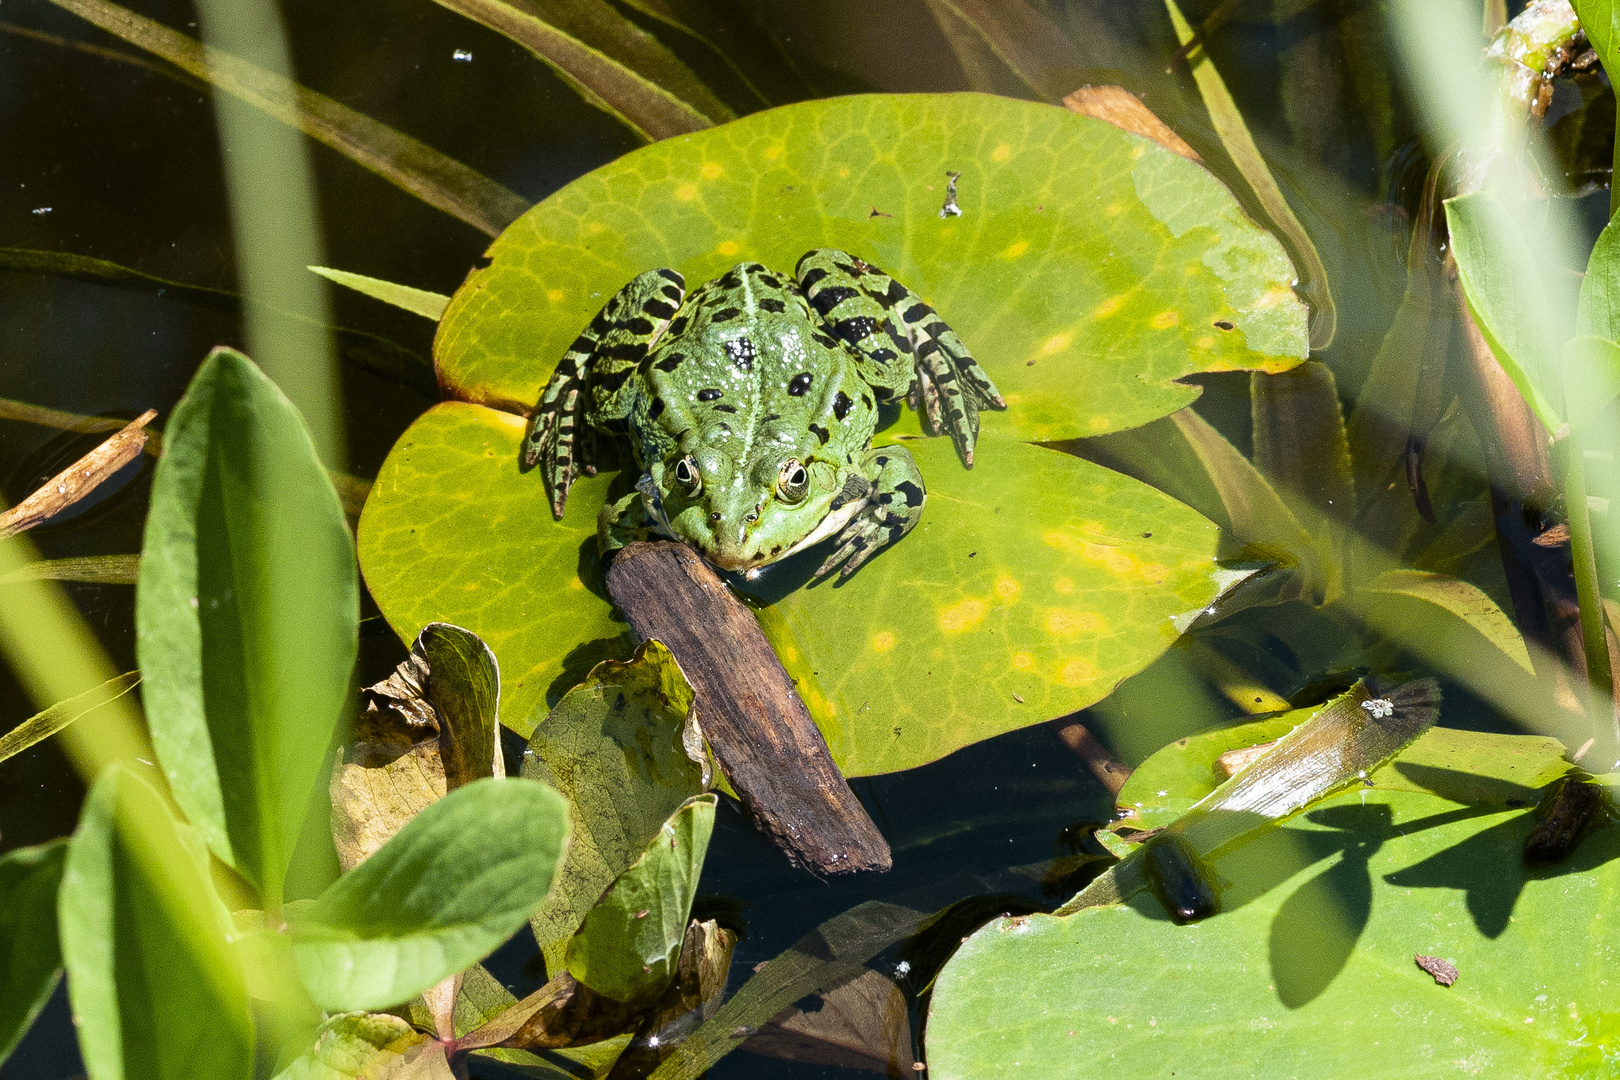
x=112, y=160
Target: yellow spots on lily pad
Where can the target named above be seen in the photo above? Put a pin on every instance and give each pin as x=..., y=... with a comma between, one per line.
x=884, y=641
x=1272, y=297
x=1001, y=153
x=1068, y=622
x=595, y=227
x=1109, y=306
x=1063, y=585
x=1023, y=661
x=1100, y=423
x=555, y=295
x=963, y=616
x=774, y=151
x=1164, y=320
x=728, y=247
x=576, y=584
x=1015, y=249
x=1113, y=209
x=1137, y=151
x=1056, y=344
x=686, y=192
x=1007, y=586
x=1205, y=343
x=711, y=170
x=843, y=172
x=1076, y=672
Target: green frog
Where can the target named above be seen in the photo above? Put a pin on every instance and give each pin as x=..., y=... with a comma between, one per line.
x=750, y=406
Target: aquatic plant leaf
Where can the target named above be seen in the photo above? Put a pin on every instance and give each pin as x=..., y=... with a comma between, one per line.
x=614, y=747
x=1176, y=776
x=30, y=959
x=1083, y=317
x=1461, y=599
x=429, y=305
x=1525, y=310
x=1032, y=46
x=97, y=569
x=42, y=725
x=630, y=941
x=449, y=887
x=647, y=108
x=1312, y=964
x=1251, y=165
x=1299, y=440
x=246, y=616
x=368, y=1046
x=157, y=991
x=440, y=181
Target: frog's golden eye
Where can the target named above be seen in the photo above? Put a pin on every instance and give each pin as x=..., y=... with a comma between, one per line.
x=688, y=477
x=794, y=482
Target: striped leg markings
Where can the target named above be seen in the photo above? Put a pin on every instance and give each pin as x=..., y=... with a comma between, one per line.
x=582, y=392
x=893, y=506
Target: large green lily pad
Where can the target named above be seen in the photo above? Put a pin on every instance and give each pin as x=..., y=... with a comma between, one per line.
x=1311, y=964
x=1089, y=270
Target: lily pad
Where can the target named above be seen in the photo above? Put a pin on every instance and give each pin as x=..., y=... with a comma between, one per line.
x=1311, y=962
x=1089, y=270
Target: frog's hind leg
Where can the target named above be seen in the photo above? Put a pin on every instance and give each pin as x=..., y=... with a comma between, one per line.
x=894, y=500
x=593, y=369
x=870, y=312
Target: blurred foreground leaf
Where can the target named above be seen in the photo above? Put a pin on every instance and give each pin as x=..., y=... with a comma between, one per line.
x=30, y=959
x=369, y=1046
x=246, y=616
x=43, y=725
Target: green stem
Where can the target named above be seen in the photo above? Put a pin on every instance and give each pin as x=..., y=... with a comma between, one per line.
x=1599, y=676
x=1614, y=169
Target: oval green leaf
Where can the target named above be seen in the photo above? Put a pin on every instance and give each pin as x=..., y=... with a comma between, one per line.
x=1312, y=962
x=246, y=616
x=1089, y=269
x=630, y=941
x=157, y=991
x=447, y=889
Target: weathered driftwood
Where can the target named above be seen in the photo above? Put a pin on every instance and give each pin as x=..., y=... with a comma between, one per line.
x=761, y=732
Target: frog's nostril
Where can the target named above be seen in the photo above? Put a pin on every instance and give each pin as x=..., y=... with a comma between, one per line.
x=715, y=516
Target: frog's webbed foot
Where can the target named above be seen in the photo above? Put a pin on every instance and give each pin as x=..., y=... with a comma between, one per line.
x=906, y=347
x=893, y=506
x=560, y=439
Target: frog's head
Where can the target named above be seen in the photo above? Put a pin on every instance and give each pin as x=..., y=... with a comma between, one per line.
x=743, y=513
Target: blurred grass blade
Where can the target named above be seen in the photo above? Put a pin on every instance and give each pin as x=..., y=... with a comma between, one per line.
x=30, y=960
x=595, y=24
x=94, y=569
x=363, y=349
x=1299, y=439
x=645, y=107
x=246, y=616
x=157, y=990
x=1235, y=137
x=1030, y=44
x=429, y=305
x=41, y=726
x=980, y=64
x=438, y=180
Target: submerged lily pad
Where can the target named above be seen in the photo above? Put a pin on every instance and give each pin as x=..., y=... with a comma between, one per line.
x=1089, y=270
x=1311, y=961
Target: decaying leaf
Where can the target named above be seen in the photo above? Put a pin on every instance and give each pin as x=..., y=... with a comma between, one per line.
x=863, y=1024
x=694, y=997
x=425, y=730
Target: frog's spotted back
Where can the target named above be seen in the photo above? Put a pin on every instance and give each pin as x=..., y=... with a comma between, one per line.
x=750, y=405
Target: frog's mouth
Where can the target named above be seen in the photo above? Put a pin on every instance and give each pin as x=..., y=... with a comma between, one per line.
x=830, y=525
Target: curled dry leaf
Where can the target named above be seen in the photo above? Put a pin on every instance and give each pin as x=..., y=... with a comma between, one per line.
x=425, y=730
x=694, y=997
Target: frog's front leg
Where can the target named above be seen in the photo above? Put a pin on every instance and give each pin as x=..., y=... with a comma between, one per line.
x=596, y=365
x=894, y=501
x=904, y=345
x=620, y=523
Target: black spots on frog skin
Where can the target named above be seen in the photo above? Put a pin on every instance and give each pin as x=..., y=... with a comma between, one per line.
x=673, y=277
x=725, y=408
x=771, y=280
x=670, y=362
x=800, y=383
x=740, y=350
x=708, y=394
x=658, y=309
x=917, y=312
x=656, y=409
x=907, y=490
x=617, y=425
x=640, y=327
x=732, y=280
x=726, y=314
x=812, y=278
x=826, y=341
x=895, y=294
x=772, y=305
x=866, y=399
x=827, y=299
x=882, y=356
x=678, y=327
x=842, y=403
x=768, y=417
x=613, y=378
x=821, y=433
x=853, y=269
x=857, y=329
x=585, y=343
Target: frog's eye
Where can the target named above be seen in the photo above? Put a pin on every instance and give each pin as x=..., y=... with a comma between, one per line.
x=794, y=481
x=687, y=475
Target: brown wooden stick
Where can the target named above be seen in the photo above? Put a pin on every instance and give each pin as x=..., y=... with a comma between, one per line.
x=1088, y=748
x=761, y=733
x=79, y=479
